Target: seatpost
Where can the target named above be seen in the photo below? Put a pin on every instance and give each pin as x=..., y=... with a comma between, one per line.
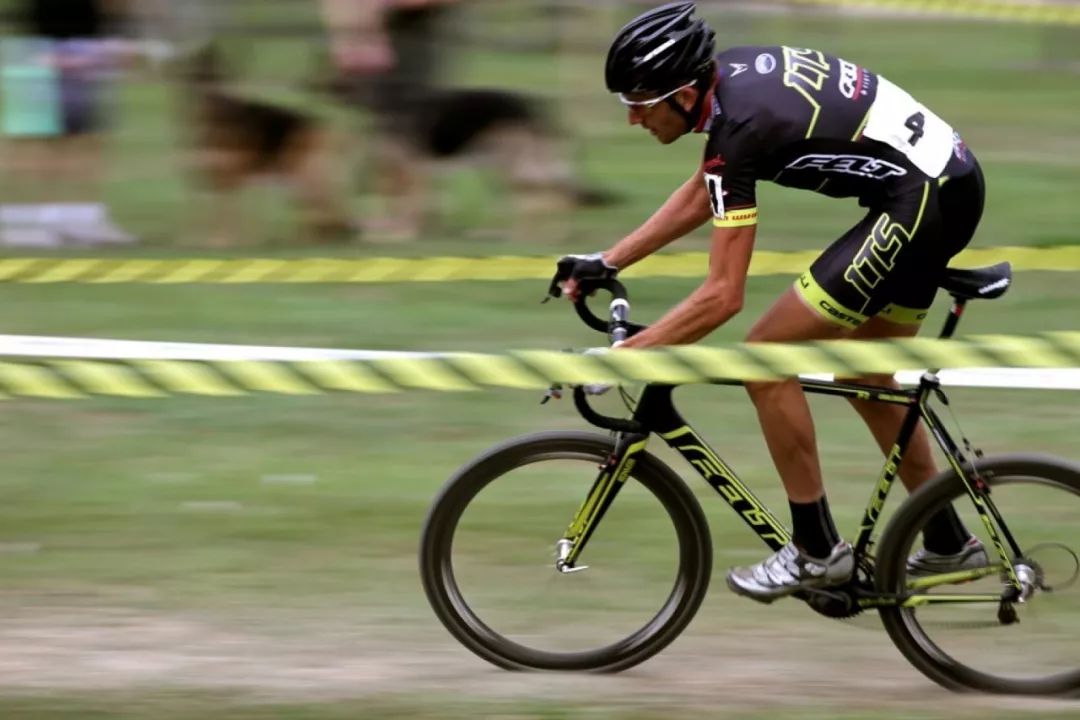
x=951, y=321
x=929, y=378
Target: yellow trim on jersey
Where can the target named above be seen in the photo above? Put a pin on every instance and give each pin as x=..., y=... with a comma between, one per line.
x=903, y=315
x=816, y=297
x=737, y=218
x=922, y=209
x=862, y=125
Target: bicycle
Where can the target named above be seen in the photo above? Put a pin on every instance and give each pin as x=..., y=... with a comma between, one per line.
x=1024, y=579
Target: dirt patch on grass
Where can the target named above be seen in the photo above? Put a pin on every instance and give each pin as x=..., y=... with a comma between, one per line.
x=757, y=669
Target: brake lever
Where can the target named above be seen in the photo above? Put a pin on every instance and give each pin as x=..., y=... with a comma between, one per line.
x=555, y=391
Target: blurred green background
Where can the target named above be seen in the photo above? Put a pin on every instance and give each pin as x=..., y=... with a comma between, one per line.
x=256, y=557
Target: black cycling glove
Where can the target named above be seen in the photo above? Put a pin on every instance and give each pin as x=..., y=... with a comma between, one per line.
x=580, y=267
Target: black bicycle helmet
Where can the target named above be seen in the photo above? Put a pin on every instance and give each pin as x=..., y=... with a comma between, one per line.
x=659, y=50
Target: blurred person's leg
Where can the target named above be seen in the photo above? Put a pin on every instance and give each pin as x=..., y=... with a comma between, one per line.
x=540, y=179
x=313, y=162
x=398, y=100
x=401, y=184
x=220, y=172
x=83, y=217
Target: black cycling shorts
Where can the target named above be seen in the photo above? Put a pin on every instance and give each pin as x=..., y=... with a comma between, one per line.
x=892, y=262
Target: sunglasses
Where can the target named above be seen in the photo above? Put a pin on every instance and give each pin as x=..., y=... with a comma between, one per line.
x=651, y=101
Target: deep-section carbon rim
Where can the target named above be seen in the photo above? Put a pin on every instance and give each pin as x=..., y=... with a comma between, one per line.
x=691, y=568
x=966, y=646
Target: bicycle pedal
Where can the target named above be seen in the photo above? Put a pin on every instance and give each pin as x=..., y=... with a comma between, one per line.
x=566, y=569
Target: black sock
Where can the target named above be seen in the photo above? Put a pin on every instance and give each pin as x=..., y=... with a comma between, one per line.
x=945, y=533
x=815, y=533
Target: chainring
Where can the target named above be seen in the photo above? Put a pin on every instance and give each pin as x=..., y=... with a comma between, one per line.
x=840, y=602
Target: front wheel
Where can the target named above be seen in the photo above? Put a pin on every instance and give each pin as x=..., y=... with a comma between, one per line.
x=956, y=629
x=487, y=557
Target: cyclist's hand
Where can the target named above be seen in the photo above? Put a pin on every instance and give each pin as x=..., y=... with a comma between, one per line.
x=572, y=268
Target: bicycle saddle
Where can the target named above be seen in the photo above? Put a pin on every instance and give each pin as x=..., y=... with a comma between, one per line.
x=978, y=283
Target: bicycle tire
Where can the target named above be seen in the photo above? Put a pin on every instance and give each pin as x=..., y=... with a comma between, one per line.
x=437, y=573
x=890, y=575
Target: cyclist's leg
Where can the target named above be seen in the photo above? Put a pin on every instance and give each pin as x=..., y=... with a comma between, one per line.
x=949, y=218
x=840, y=292
x=816, y=556
x=912, y=287
x=782, y=408
x=831, y=300
x=944, y=533
x=893, y=258
x=883, y=419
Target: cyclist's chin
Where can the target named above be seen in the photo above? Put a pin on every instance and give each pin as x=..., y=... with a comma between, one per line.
x=666, y=138
x=665, y=135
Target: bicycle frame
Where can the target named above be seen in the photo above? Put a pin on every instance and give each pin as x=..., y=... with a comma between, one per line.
x=655, y=413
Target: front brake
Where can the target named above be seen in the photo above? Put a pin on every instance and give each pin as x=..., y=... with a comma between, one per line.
x=553, y=392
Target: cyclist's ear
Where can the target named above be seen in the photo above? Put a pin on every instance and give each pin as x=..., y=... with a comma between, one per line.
x=687, y=98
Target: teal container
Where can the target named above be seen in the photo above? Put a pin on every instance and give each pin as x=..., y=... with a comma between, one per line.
x=29, y=89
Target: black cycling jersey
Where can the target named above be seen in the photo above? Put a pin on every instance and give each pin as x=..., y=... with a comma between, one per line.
x=804, y=119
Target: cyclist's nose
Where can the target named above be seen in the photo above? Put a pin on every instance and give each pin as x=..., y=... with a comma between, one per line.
x=634, y=115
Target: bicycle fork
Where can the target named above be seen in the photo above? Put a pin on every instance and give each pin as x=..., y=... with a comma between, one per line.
x=613, y=474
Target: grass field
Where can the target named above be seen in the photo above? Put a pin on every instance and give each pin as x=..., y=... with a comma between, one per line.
x=255, y=558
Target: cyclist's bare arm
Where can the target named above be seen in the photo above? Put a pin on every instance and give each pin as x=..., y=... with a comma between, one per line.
x=715, y=301
x=687, y=209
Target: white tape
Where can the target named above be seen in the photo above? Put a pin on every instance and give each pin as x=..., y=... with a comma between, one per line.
x=87, y=348
x=1008, y=378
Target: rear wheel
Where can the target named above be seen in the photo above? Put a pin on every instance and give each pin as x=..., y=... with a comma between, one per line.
x=488, y=565
x=1030, y=647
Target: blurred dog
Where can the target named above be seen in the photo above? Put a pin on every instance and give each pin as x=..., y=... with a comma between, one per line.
x=504, y=132
x=235, y=140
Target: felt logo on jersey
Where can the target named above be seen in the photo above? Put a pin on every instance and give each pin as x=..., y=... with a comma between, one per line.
x=852, y=77
x=737, y=68
x=765, y=63
x=860, y=165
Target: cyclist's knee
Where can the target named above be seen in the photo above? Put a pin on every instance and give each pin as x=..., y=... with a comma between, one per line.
x=765, y=393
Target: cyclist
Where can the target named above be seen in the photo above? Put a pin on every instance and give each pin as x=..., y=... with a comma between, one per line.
x=802, y=119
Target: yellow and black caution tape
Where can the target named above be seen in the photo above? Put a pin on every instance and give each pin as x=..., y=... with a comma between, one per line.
x=1057, y=12
x=68, y=378
x=104, y=271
